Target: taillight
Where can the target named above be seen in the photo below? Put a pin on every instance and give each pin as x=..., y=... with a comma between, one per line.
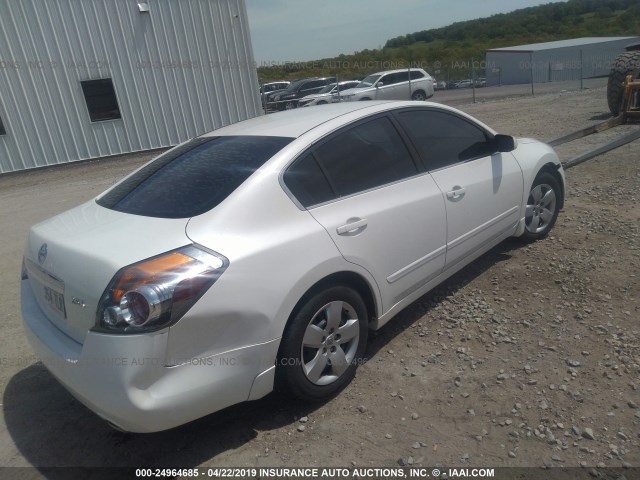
x=157, y=292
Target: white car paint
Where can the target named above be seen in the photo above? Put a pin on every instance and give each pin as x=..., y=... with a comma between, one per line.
x=224, y=349
x=386, y=88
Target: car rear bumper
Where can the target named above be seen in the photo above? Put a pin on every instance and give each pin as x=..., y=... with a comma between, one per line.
x=124, y=379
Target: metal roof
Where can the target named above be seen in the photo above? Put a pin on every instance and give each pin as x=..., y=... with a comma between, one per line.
x=572, y=42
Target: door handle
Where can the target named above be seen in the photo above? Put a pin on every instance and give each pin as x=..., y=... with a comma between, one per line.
x=353, y=226
x=456, y=193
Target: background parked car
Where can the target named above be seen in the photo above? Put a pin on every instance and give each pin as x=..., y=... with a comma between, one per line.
x=441, y=85
x=414, y=84
x=328, y=94
x=288, y=98
x=481, y=82
x=464, y=84
x=267, y=88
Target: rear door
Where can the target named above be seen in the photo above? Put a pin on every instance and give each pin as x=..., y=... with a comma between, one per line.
x=363, y=186
x=482, y=188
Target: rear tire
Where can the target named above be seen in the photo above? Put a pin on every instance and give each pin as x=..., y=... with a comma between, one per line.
x=419, y=96
x=625, y=64
x=323, y=344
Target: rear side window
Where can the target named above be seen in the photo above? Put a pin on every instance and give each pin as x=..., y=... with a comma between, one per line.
x=415, y=74
x=307, y=183
x=193, y=178
x=444, y=139
x=366, y=156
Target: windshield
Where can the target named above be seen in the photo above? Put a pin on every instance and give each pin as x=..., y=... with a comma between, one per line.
x=193, y=178
x=368, y=81
x=328, y=88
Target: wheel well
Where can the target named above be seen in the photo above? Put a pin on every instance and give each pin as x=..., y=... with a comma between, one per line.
x=552, y=168
x=419, y=91
x=347, y=279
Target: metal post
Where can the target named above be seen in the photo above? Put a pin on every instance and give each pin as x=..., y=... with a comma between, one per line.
x=581, y=72
x=531, y=65
x=263, y=98
x=473, y=79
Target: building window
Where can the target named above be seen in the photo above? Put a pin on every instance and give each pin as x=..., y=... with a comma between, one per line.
x=101, y=99
x=2, y=130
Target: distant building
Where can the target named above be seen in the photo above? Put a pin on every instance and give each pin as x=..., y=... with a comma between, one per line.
x=554, y=61
x=91, y=78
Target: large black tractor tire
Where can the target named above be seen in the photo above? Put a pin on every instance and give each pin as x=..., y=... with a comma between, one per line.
x=625, y=64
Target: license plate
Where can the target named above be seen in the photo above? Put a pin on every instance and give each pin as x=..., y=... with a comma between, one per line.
x=55, y=301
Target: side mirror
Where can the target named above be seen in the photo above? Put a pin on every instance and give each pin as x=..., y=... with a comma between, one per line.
x=379, y=84
x=504, y=143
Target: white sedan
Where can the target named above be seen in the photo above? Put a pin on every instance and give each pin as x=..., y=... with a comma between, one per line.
x=258, y=256
x=329, y=94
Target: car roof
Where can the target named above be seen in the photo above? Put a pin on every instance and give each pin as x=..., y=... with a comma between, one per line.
x=398, y=70
x=294, y=123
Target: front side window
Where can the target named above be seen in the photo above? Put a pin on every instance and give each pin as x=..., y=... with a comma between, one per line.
x=314, y=84
x=394, y=78
x=193, y=178
x=444, y=139
x=366, y=156
x=101, y=99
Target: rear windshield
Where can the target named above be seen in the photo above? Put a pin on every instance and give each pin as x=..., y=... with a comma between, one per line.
x=193, y=178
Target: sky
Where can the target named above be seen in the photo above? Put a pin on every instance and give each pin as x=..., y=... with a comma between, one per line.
x=302, y=30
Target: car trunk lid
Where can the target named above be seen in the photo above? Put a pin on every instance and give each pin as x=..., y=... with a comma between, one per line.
x=72, y=257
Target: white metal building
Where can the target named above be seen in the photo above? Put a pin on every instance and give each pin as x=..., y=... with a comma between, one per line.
x=554, y=61
x=81, y=79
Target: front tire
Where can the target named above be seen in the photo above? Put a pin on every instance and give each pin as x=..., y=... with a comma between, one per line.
x=543, y=206
x=323, y=344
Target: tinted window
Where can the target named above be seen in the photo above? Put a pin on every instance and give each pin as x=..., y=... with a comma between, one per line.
x=444, y=139
x=415, y=74
x=101, y=99
x=307, y=182
x=193, y=178
x=2, y=130
x=365, y=156
x=314, y=84
x=393, y=78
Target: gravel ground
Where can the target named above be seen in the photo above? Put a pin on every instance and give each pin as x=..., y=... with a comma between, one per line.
x=528, y=357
